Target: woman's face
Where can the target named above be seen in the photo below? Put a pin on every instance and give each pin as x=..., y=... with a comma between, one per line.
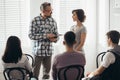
x=74, y=16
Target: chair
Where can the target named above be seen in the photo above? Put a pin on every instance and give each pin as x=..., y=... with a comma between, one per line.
x=99, y=58
x=30, y=58
x=72, y=72
x=17, y=73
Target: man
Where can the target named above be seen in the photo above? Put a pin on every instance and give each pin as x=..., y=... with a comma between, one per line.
x=43, y=31
x=67, y=58
x=110, y=66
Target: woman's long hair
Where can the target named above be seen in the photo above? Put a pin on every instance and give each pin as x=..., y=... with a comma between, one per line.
x=13, y=51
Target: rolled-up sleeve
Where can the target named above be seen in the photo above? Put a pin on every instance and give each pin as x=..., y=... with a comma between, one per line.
x=55, y=30
x=108, y=59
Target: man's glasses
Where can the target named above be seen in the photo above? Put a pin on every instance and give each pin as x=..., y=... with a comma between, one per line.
x=48, y=10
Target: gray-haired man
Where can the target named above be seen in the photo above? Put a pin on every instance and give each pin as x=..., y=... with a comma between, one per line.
x=43, y=31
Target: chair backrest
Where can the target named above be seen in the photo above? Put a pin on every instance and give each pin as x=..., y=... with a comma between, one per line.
x=17, y=73
x=99, y=58
x=72, y=72
x=30, y=58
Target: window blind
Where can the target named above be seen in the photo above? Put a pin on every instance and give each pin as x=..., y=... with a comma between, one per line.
x=13, y=20
x=63, y=14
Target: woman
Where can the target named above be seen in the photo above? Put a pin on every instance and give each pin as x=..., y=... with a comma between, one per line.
x=13, y=56
x=79, y=29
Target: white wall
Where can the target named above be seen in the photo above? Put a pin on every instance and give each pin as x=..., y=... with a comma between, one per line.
x=102, y=24
x=14, y=20
x=115, y=15
x=35, y=7
x=90, y=46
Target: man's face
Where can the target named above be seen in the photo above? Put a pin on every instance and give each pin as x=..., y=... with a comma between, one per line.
x=108, y=41
x=48, y=11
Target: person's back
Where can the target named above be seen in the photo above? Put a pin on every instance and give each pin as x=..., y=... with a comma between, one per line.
x=21, y=63
x=70, y=57
x=13, y=56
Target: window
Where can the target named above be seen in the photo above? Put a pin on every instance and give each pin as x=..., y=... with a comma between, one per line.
x=14, y=18
x=63, y=12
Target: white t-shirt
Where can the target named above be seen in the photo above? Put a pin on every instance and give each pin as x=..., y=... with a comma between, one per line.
x=109, y=58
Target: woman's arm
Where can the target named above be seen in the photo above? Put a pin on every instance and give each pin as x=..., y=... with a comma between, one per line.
x=82, y=41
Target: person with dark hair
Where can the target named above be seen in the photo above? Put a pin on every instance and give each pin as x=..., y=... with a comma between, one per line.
x=79, y=29
x=69, y=57
x=43, y=32
x=13, y=55
x=110, y=66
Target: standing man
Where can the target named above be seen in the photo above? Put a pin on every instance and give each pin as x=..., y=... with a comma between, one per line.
x=43, y=32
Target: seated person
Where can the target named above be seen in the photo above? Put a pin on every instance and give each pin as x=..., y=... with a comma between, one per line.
x=13, y=55
x=110, y=66
x=69, y=57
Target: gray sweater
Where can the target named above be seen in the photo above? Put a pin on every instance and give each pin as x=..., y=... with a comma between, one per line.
x=66, y=59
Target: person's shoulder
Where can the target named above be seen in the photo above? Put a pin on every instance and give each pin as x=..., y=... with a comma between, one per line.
x=52, y=19
x=24, y=58
x=3, y=63
x=59, y=55
x=79, y=54
x=83, y=27
x=109, y=55
x=37, y=18
x=72, y=27
x=116, y=50
x=56, y=57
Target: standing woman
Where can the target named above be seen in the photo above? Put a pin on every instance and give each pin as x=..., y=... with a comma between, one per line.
x=79, y=29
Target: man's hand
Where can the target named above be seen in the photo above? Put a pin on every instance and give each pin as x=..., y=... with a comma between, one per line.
x=52, y=37
x=88, y=74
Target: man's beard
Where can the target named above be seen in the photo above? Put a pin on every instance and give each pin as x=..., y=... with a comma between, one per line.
x=49, y=15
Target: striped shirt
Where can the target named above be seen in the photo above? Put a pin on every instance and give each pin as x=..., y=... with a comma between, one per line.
x=38, y=30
